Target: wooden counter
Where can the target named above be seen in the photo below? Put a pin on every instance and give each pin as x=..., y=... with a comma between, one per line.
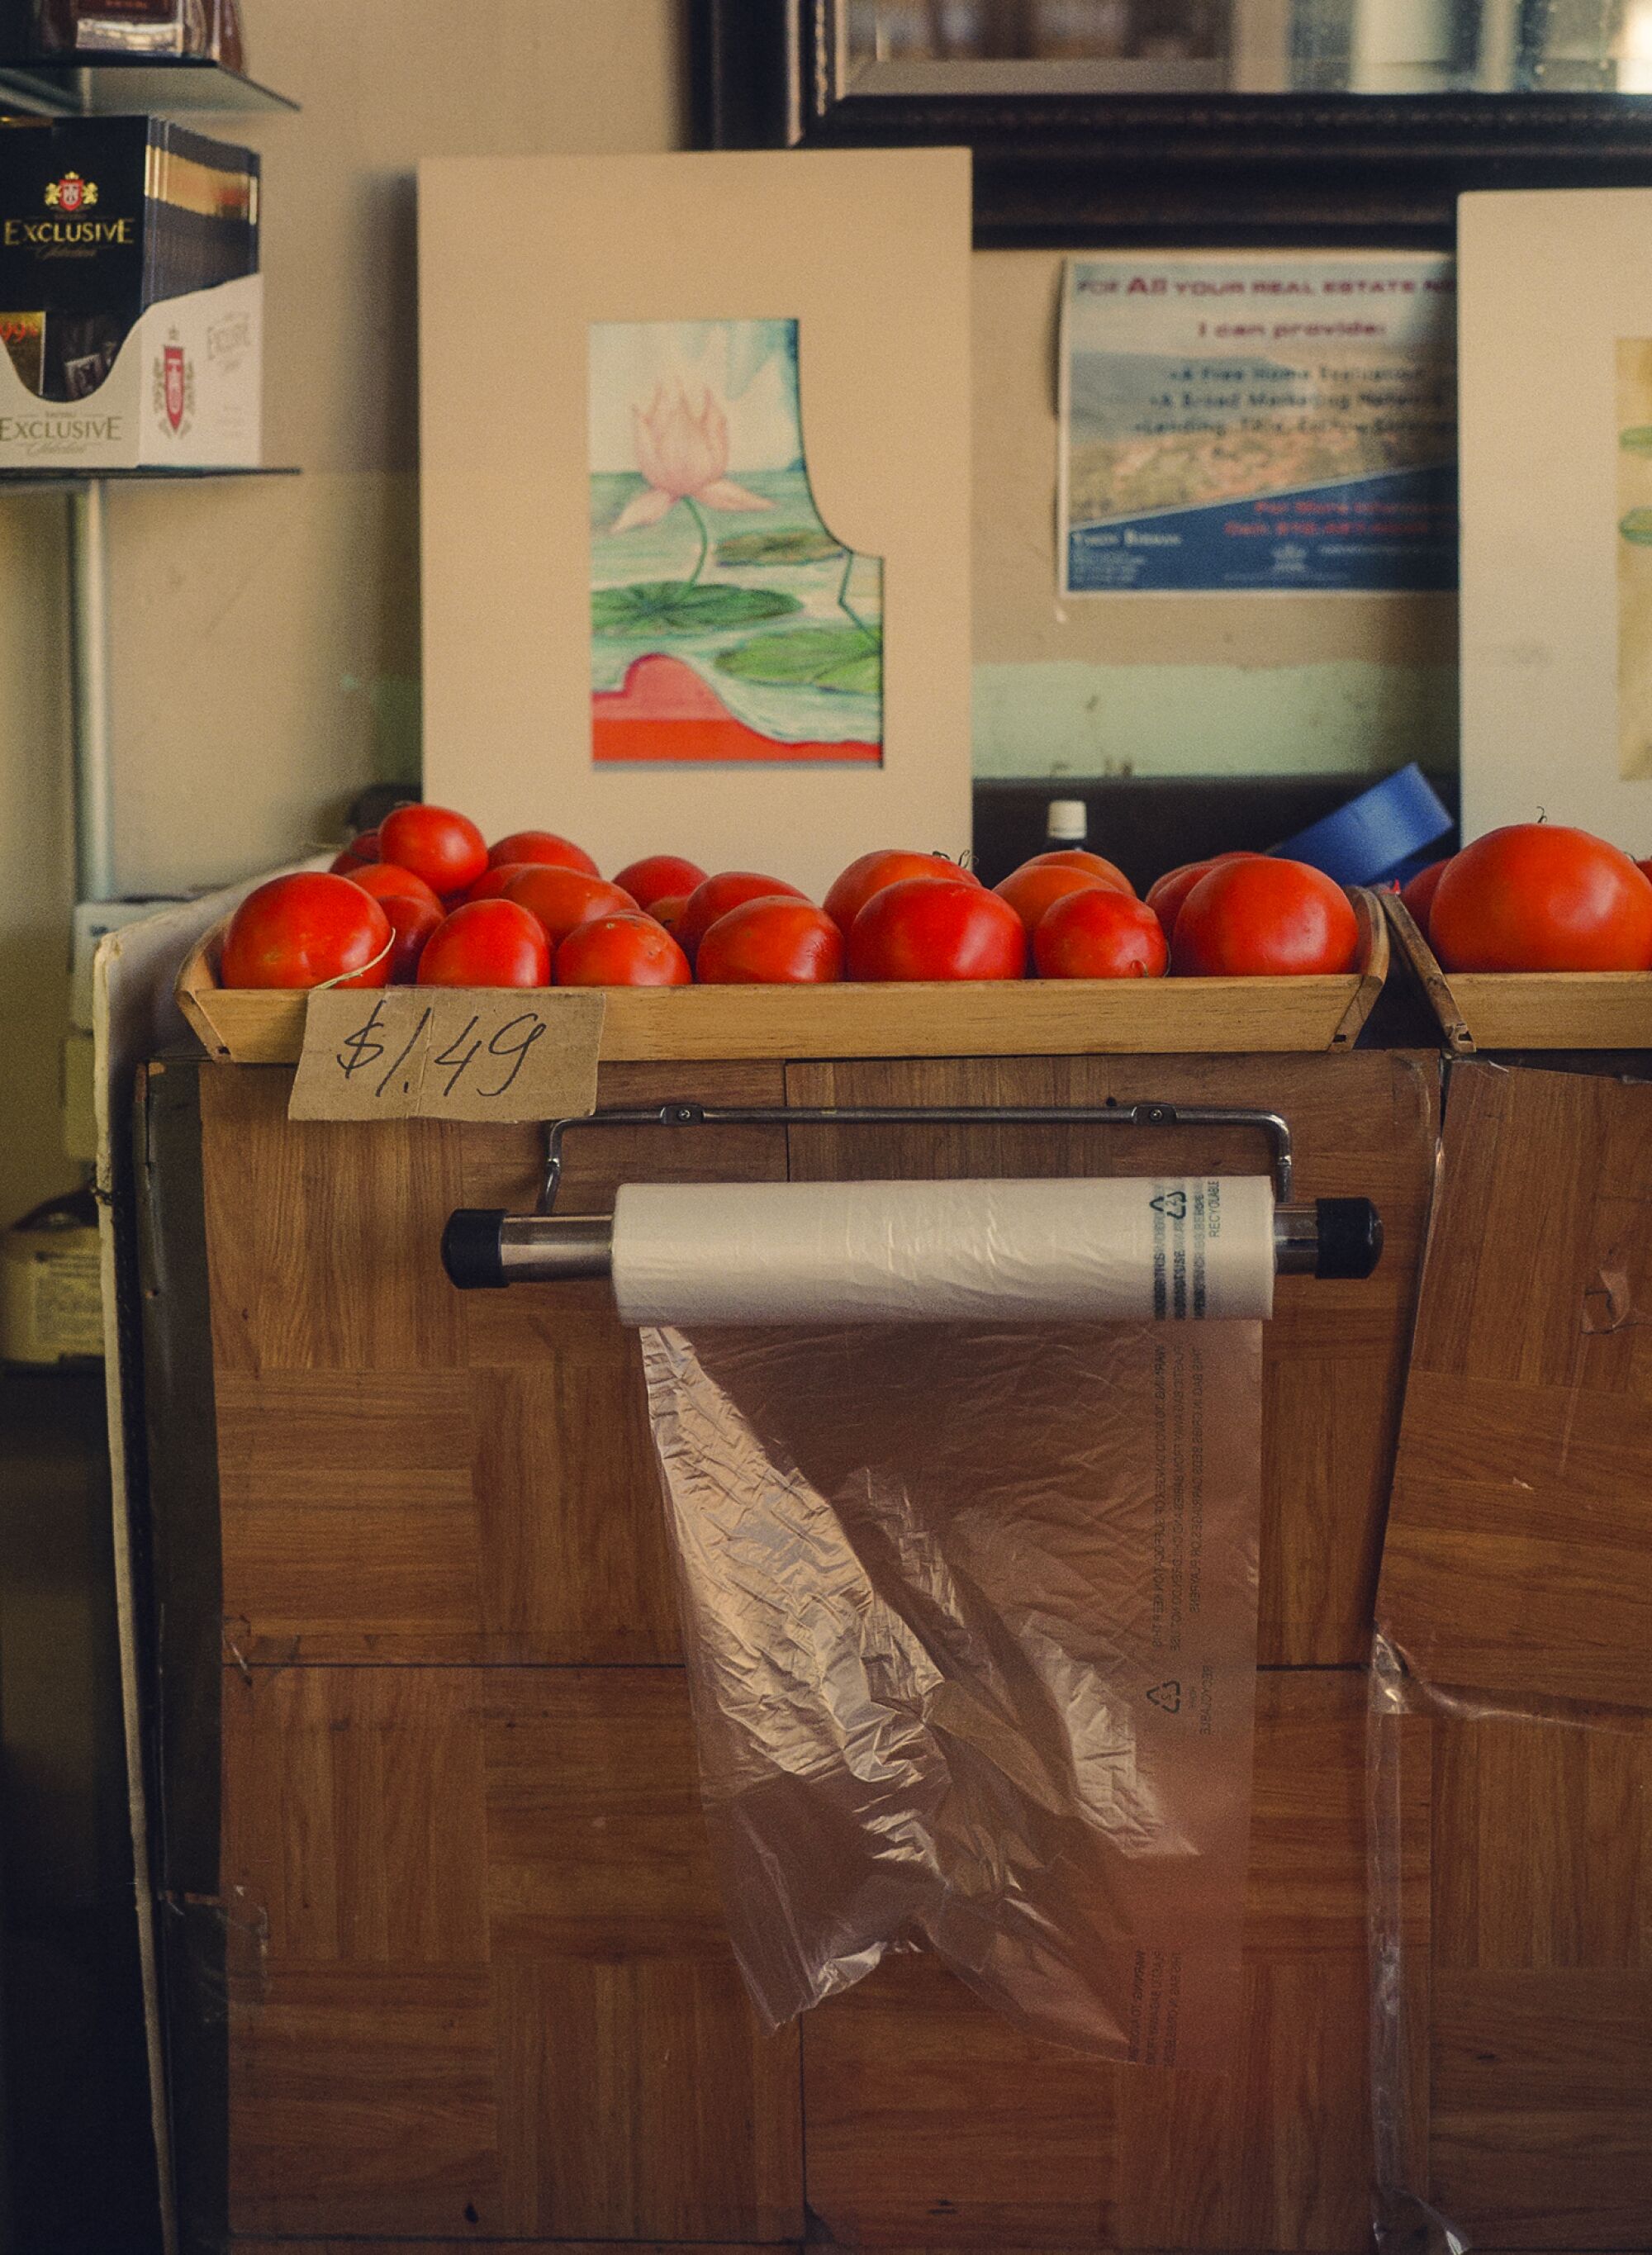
x=431, y=1824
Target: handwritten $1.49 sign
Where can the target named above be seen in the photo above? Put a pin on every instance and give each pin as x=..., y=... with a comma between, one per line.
x=448, y=1053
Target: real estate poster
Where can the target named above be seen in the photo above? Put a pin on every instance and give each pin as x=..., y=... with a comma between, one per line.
x=1232, y=424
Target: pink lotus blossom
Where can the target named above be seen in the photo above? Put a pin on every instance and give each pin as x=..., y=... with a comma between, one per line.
x=685, y=457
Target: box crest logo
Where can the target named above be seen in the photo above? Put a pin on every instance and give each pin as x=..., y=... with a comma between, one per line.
x=174, y=387
x=71, y=194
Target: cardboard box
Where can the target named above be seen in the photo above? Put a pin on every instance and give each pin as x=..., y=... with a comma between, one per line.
x=131, y=303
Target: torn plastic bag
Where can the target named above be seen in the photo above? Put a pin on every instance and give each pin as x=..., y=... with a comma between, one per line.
x=970, y=1620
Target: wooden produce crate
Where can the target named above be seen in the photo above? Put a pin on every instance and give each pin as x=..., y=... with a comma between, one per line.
x=1523, y=1009
x=431, y=1826
x=991, y=1018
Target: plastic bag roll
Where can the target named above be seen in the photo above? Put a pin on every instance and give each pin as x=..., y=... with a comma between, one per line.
x=1087, y=1251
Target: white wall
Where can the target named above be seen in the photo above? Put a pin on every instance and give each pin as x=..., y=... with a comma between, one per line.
x=266, y=638
x=266, y=633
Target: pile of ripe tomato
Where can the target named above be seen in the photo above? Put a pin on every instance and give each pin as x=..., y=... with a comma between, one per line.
x=1535, y=896
x=423, y=898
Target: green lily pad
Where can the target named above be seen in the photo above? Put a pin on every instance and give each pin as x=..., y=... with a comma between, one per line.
x=1637, y=440
x=679, y=606
x=818, y=657
x=802, y=544
x=1637, y=527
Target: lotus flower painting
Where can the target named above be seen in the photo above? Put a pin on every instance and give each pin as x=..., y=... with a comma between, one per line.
x=728, y=624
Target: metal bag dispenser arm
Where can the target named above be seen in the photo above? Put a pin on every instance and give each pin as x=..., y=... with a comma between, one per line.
x=485, y=1248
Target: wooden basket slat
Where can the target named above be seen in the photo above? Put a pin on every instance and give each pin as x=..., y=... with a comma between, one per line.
x=1012, y=1018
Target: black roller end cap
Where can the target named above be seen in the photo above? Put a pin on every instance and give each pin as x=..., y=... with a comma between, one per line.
x=470, y=1248
x=1350, y=1237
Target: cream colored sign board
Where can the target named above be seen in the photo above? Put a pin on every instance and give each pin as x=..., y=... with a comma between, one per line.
x=1554, y=347
x=868, y=254
x=448, y=1053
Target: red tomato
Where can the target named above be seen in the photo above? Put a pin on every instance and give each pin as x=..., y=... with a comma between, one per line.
x=1166, y=894
x=1262, y=917
x=486, y=943
x=717, y=895
x=937, y=928
x=444, y=848
x=545, y=847
x=357, y=854
x=384, y=881
x=492, y=882
x=1099, y=933
x=1417, y=892
x=658, y=877
x=778, y=942
x=1537, y=897
x=304, y=931
x=1074, y=857
x=562, y=898
x=669, y=911
x=1031, y=889
x=851, y=892
x=620, y=950
x=412, y=922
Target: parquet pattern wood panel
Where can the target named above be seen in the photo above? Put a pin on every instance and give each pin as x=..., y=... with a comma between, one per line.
x=1517, y=1562
x=495, y=1992
x=566, y=1557
x=928, y=2116
x=496, y=2000
x=413, y=1474
x=1541, y=2015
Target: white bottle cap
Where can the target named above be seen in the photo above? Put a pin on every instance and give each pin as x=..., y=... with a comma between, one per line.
x=1068, y=818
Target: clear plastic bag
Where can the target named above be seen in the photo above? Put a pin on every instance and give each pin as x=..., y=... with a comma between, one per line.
x=970, y=1618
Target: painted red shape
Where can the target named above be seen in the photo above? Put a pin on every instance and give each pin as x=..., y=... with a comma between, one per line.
x=666, y=712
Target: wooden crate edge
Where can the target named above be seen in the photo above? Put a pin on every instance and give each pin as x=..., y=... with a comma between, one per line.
x=1491, y=1010
x=1373, y=966
x=197, y=981
x=1423, y=965
x=243, y=1026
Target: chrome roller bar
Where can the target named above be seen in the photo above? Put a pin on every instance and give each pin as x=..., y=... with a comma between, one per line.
x=484, y=1248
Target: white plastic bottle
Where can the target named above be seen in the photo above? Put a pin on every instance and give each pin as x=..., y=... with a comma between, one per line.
x=1066, y=822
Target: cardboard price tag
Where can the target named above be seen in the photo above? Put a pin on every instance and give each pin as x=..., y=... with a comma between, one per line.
x=448, y=1053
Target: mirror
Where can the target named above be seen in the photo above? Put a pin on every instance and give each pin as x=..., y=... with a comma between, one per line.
x=906, y=48
x=1133, y=122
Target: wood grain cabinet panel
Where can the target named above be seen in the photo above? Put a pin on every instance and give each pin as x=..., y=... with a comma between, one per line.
x=931, y=2120
x=408, y=1473
x=494, y=1991
x=356, y=2245
x=349, y=1514
x=322, y=1237
x=1517, y=1560
x=566, y=1561
x=489, y=1996
x=1541, y=2036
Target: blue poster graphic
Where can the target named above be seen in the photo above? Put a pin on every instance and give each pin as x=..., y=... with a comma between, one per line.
x=1236, y=424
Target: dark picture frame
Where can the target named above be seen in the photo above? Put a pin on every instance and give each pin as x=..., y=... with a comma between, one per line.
x=1070, y=170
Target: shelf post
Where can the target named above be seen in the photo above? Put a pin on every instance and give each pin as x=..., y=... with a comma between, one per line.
x=89, y=652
